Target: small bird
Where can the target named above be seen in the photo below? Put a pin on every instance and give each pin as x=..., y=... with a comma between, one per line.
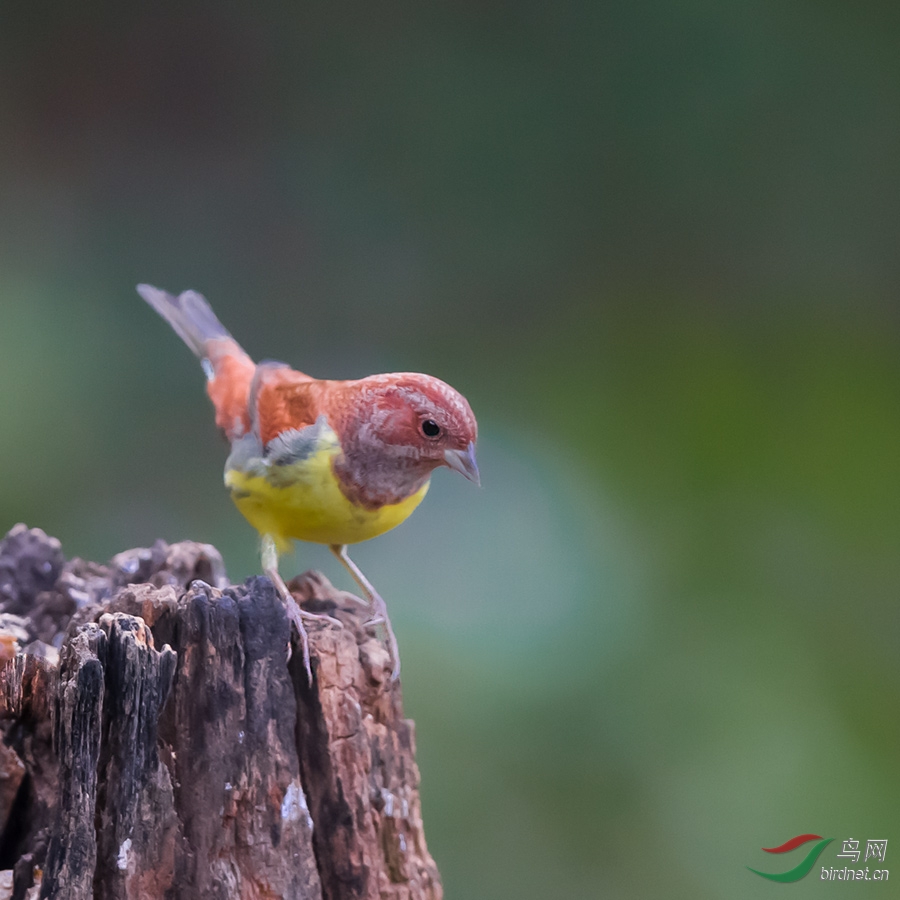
x=331, y=462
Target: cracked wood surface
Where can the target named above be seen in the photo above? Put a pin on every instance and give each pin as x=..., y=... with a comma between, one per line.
x=170, y=749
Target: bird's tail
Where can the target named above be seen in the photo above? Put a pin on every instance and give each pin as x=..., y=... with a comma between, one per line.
x=229, y=370
x=189, y=315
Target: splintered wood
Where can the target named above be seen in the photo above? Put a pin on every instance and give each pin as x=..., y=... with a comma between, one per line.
x=159, y=739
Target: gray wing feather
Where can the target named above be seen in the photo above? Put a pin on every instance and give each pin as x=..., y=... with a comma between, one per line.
x=296, y=444
x=247, y=456
x=291, y=446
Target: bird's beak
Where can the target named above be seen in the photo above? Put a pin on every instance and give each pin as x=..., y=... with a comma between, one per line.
x=463, y=461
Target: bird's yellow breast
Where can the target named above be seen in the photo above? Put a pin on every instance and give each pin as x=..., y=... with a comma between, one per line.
x=304, y=501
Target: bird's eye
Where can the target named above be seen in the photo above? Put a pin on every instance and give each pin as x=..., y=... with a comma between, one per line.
x=430, y=428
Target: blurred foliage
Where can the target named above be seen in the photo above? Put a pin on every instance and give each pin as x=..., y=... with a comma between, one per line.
x=655, y=245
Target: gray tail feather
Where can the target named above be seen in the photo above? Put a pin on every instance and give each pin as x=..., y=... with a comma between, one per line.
x=189, y=314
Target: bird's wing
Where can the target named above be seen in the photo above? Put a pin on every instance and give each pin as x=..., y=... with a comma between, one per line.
x=288, y=425
x=282, y=399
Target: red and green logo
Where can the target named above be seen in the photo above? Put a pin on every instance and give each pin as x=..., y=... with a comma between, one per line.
x=805, y=866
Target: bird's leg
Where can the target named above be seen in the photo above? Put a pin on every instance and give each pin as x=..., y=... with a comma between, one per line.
x=269, y=553
x=378, y=604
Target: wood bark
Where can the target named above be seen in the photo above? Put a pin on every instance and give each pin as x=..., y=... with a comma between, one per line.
x=159, y=739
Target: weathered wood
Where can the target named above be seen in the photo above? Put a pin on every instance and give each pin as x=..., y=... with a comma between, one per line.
x=190, y=758
x=357, y=756
x=79, y=700
x=27, y=687
x=136, y=819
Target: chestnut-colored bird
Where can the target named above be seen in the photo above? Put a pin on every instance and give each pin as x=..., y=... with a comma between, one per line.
x=332, y=462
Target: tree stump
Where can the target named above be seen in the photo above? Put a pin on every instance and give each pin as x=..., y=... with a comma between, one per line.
x=160, y=741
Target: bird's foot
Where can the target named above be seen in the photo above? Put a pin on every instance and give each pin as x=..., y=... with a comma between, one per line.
x=350, y=597
x=312, y=584
x=297, y=615
x=319, y=617
x=382, y=618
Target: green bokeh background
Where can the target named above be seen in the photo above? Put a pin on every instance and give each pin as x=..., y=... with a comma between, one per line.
x=655, y=244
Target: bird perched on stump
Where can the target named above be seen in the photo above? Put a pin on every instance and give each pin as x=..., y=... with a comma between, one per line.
x=332, y=462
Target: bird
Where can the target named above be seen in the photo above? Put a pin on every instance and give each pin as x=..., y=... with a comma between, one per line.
x=325, y=461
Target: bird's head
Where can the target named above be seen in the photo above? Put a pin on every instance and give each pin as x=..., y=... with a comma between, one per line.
x=415, y=423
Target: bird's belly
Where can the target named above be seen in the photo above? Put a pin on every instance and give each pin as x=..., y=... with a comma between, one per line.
x=306, y=503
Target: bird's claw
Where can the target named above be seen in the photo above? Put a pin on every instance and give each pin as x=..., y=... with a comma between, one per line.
x=296, y=615
x=382, y=620
x=320, y=617
x=349, y=597
x=304, y=644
